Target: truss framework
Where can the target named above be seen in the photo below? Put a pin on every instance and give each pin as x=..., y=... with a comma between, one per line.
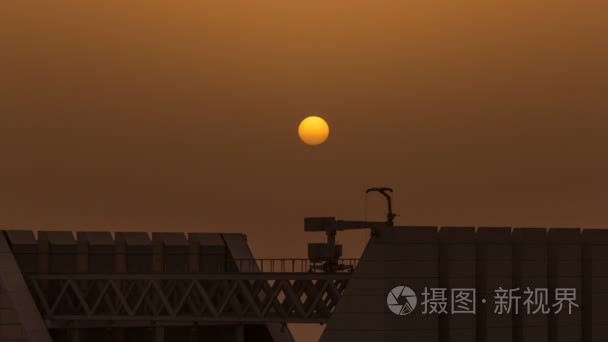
x=187, y=299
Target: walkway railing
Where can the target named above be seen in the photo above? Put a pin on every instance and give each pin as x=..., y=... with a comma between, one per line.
x=285, y=265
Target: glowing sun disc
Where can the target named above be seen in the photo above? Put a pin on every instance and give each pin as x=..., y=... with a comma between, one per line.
x=313, y=130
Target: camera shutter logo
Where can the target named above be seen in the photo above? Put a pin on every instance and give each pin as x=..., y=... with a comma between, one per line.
x=401, y=300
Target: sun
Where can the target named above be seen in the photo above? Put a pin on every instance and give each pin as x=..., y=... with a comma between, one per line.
x=313, y=130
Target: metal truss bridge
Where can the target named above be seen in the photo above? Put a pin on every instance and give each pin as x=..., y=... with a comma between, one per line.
x=94, y=300
x=74, y=287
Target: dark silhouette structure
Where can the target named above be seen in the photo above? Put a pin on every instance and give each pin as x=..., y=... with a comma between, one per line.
x=384, y=191
x=486, y=259
x=99, y=287
x=95, y=286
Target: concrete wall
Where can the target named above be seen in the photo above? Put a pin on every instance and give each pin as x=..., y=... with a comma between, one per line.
x=19, y=317
x=10, y=327
x=486, y=259
x=399, y=257
x=595, y=285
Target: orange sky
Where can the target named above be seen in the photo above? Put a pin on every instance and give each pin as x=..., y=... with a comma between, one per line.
x=159, y=115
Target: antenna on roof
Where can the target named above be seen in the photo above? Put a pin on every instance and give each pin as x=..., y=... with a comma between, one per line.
x=384, y=191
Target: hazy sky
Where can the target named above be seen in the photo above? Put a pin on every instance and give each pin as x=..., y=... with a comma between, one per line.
x=182, y=115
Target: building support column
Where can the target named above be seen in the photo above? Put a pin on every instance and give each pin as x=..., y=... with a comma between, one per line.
x=159, y=334
x=239, y=332
x=74, y=335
